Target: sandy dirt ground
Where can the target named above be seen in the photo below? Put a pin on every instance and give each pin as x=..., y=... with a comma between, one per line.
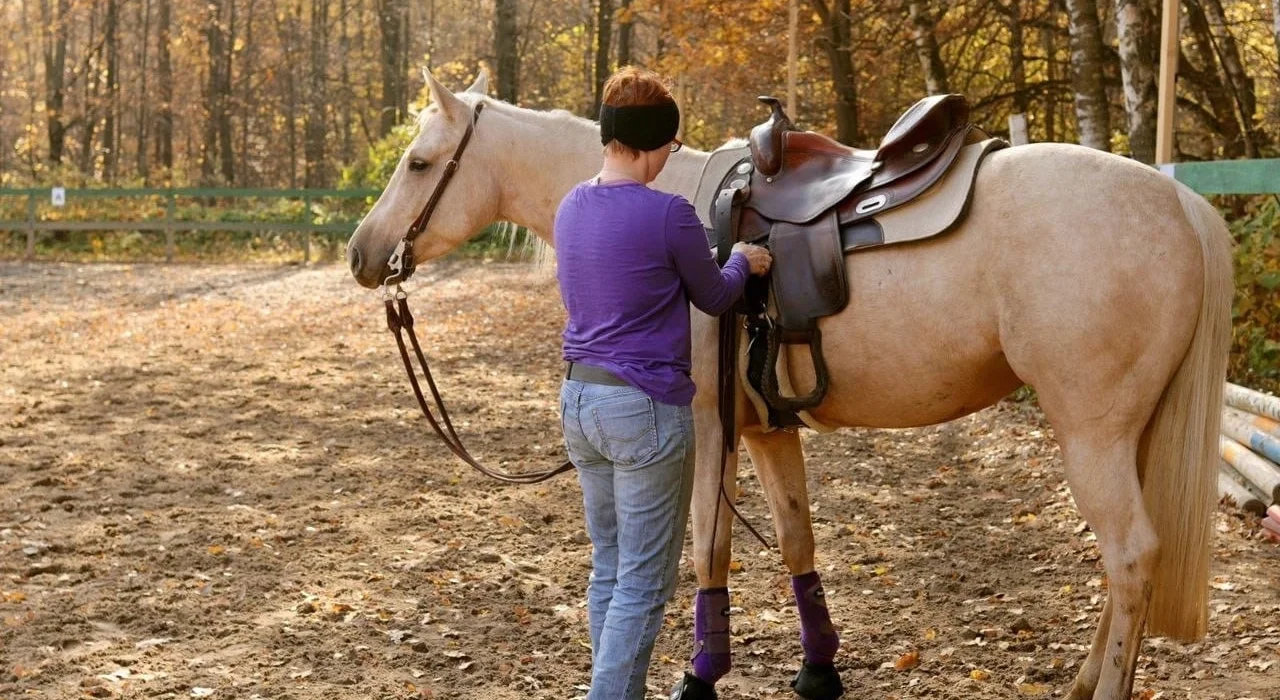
x=214, y=483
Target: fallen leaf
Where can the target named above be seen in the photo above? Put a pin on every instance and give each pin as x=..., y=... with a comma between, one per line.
x=907, y=661
x=978, y=674
x=1033, y=688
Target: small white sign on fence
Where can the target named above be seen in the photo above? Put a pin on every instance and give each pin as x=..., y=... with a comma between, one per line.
x=59, y=196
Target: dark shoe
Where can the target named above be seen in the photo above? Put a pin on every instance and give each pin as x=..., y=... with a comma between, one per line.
x=693, y=688
x=818, y=682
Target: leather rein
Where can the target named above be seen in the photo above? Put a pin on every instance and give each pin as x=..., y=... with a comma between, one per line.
x=399, y=320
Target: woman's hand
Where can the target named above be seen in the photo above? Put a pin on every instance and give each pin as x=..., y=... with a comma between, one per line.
x=758, y=258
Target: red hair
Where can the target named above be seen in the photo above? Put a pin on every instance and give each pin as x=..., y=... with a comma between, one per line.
x=633, y=87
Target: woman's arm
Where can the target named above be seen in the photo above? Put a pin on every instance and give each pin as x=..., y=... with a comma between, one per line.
x=712, y=289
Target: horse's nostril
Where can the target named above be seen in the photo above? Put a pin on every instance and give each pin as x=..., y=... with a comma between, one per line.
x=353, y=260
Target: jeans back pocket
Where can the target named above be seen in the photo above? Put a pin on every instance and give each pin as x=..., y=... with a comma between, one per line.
x=628, y=429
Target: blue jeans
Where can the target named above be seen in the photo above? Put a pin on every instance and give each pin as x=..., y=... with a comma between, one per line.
x=635, y=462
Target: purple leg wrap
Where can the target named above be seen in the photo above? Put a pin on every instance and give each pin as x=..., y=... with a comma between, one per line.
x=817, y=636
x=711, y=634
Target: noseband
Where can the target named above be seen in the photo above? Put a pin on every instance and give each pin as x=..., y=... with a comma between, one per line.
x=401, y=266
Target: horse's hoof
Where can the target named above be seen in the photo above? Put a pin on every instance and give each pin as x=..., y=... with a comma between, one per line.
x=693, y=688
x=818, y=682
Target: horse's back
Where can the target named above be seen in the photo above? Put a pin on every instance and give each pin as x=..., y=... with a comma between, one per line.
x=1069, y=267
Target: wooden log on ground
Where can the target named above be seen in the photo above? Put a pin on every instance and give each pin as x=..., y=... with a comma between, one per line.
x=1260, y=423
x=1250, y=401
x=1238, y=428
x=1244, y=499
x=1260, y=473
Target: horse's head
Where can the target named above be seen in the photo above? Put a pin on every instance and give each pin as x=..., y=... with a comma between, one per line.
x=468, y=203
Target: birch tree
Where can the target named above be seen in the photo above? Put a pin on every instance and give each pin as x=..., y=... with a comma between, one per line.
x=1137, y=28
x=1093, y=111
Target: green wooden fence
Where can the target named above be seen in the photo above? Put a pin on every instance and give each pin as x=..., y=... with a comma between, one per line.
x=1259, y=176
x=172, y=224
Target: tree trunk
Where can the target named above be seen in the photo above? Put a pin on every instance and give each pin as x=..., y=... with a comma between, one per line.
x=32, y=55
x=626, y=31
x=1049, y=40
x=839, y=45
x=89, y=98
x=1209, y=83
x=110, y=128
x=53, y=25
x=225, y=151
x=1242, y=87
x=144, y=100
x=1093, y=111
x=923, y=34
x=164, y=102
x=1275, y=25
x=1017, y=58
x=287, y=29
x=346, y=98
x=315, y=172
x=393, y=22
x=505, y=38
x=1137, y=27
x=248, y=109
x=215, y=32
x=604, y=34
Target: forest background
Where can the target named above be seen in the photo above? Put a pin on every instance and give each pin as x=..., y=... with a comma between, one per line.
x=321, y=93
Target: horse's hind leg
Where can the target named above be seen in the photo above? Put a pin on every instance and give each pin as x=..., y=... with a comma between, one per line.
x=1087, y=679
x=779, y=463
x=1103, y=475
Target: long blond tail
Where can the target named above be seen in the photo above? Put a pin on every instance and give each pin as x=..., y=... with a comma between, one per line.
x=1179, y=465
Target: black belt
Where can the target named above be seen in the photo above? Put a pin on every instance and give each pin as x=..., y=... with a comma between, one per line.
x=591, y=375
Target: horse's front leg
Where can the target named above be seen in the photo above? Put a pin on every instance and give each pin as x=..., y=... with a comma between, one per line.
x=779, y=464
x=712, y=528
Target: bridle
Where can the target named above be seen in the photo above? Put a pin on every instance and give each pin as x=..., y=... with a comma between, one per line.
x=399, y=319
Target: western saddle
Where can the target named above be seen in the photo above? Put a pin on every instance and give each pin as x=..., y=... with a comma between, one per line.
x=811, y=199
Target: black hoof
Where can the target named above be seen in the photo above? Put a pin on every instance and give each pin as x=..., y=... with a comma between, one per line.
x=693, y=688
x=818, y=682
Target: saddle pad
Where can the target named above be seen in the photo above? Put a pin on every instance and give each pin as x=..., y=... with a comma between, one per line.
x=935, y=211
x=713, y=172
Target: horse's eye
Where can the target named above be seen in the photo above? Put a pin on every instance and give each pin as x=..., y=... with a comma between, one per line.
x=417, y=165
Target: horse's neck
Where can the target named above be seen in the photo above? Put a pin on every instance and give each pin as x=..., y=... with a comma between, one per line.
x=549, y=153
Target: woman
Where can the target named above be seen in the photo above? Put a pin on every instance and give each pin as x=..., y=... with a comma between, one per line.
x=630, y=260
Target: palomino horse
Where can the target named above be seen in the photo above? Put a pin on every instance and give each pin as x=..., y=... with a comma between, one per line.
x=1098, y=281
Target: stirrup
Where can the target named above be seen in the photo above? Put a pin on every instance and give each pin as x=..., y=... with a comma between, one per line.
x=772, y=394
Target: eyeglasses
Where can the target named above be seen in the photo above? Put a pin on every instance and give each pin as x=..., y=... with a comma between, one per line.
x=676, y=145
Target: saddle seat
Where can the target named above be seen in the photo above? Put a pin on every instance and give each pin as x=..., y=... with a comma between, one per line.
x=811, y=200
x=803, y=173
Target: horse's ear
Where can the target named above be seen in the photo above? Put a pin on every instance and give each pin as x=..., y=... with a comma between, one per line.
x=449, y=103
x=481, y=85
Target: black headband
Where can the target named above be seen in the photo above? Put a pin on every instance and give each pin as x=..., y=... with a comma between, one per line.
x=642, y=127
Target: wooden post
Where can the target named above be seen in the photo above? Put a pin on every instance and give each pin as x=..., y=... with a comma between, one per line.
x=170, y=210
x=1167, y=104
x=1018, y=135
x=31, y=227
x=792, y=52
x=307, y=221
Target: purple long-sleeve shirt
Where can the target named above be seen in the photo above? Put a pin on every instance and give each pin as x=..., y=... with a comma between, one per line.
x=630, y=261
